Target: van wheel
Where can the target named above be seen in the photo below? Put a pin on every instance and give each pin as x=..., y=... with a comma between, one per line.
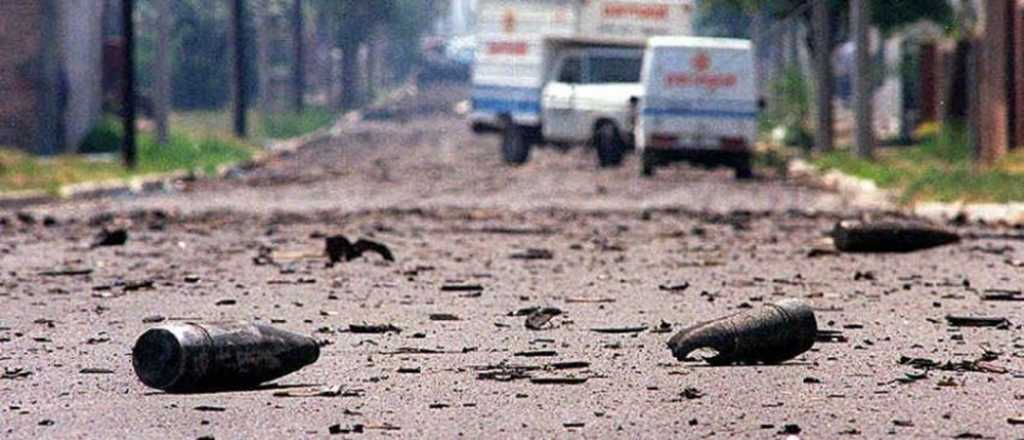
x=515, y=148
x=649, y=164
x=610, y=148
x=744, y=168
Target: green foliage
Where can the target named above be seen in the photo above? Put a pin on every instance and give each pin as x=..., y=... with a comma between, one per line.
x=939, y=168
x=104, y=138
x=289, y=125
x=183, y=152
x=791, y=108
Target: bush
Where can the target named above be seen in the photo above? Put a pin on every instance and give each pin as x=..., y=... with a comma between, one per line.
x=289, y=125
x=104, y=138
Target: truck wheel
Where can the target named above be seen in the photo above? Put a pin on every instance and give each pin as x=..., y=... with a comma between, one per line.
x=649, y=164
x=515, y=148
x=610, y=148
x=744, y=167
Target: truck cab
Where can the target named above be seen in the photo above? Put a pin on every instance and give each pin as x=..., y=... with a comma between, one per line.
x=591, y=97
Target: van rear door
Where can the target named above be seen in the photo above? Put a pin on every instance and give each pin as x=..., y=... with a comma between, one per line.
x=699, y=93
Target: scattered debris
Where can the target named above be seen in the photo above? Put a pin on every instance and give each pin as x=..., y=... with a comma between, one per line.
x=538, y=319
x=238, y=355
x=830, y=336
x=691, y=393
x=533, y=254
x=537, y=353
x=505, y=373
x=333, y=391
x=790, y=429
x=373, y=328
x=72, y=272
x=619, y=330
x=969, y=321
x=110, y=237
x=1002, y=295
x=1016, y=420
x=674, y=287
x=569, y=365
x=91, y=370
x=339, y=248
x=821, y=252
x=589, y=300
x=444, y=317
x=409, y=370
x=771, y=335
x=461, y=288
x=889, y=236
x=132, y=286
x=982, y=365
x=209, y=408
x=552, y=380
x=15, y=373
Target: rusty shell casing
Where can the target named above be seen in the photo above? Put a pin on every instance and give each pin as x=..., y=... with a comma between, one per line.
x=198, y=357
x=771, y=335
x=889, y=236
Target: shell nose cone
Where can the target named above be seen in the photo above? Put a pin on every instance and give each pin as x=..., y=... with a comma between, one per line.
x=158, y=358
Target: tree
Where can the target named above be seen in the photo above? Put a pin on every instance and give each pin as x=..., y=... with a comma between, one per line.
x=827, y=19
x=863, y=134
x=162, y=70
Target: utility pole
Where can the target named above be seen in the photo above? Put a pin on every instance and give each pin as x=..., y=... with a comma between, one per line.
x=823, y=74
x=128, y=149
x=162, y=77
x=240, y=99
x=299, y=68
x=863, y=134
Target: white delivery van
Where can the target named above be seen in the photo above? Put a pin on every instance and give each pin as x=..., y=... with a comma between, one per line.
x=699, y=103
x=565, y=71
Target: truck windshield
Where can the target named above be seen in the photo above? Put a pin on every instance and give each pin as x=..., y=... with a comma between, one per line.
x=607, y=69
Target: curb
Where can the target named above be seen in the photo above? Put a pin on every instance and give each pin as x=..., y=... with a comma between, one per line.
x=865, y=192
x=855, y=191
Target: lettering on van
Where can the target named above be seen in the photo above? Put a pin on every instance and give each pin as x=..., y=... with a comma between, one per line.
x=636, y=11
x=701, y=76
x=513, y=48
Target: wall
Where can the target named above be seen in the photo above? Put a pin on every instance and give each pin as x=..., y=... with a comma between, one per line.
x=20, y=44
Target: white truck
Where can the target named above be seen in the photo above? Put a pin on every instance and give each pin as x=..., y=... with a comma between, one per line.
x=566, y=71
x=699, y=103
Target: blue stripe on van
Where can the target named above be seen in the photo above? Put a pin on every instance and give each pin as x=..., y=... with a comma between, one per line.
x=502, y=99
x=692, y=113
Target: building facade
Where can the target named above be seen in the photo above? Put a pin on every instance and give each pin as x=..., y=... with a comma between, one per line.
x=51, y=78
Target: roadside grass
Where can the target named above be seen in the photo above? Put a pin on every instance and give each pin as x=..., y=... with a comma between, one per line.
x=281, y=125
x=184, y=151
x=938, y=168
x=199, y=141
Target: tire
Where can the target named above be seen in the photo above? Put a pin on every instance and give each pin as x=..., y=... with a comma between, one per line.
x=744, y=168
x=515, y=148
x=649, y=164
x=610, y=148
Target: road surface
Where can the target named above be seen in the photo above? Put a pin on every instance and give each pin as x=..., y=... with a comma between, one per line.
x=658, y=254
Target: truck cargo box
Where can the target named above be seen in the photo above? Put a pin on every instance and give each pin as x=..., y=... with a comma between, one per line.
x=512, y=58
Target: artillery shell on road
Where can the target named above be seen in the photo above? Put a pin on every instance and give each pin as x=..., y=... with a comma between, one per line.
x=209, y=357
x=889, y=236
x=774, y=334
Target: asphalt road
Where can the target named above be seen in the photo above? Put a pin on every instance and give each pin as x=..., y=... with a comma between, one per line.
x=453, y=214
